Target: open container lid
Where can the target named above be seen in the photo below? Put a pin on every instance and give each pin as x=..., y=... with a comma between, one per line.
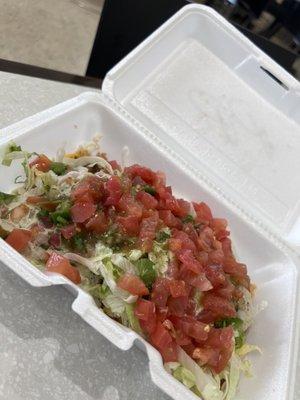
x=225, y=107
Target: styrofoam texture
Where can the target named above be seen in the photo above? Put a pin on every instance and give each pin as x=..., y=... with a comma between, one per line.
x=272, y=265
x=198, y=83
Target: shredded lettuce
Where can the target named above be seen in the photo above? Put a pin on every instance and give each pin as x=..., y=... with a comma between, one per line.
x=205, y=382
x=133, y=322
x=247, y=348
x=146, y=271
x=185, y=376
x=160, y=257
x=115, y=304
x=135, y=254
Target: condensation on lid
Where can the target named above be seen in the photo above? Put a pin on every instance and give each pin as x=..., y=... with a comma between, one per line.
x=219, y=101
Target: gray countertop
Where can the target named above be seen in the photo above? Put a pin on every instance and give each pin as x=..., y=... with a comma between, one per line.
x=46, y=351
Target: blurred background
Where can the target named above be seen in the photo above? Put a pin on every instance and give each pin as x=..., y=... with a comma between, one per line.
x=60, y=34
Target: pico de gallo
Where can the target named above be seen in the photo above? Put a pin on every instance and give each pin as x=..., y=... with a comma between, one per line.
x=161, y=265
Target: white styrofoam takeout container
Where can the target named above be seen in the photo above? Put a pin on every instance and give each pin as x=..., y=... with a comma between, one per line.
x=194, y=100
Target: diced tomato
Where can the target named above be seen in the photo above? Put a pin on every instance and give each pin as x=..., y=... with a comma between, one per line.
x=61, y=265
x=177, y=306
x=206, y=316
x=19, y=239
x=226, y=291
x=226, y=247
x=203, y=212
x=177, y=288
x=222, y=340
x=186, y=242
x=130, y=225
x=218, y=305
x=145, y=173
x=188, y=259
x=42, y=163
x=35, y=199
x=133, y=284
x=189, y=349
x=115, y=165
x=148, y=231
x=160, y=338
x=195, y=329
x=215, y=274
x=160, y=179
x=169, y=353
x=18, y=213
x=145, y=312
x=177, y=207
x=91, y=186
x=160, y=292
x=175, y=244
x=204, y=354
x=237, y=270
x=114, y=189
x=55, y=240
x=148, y=201
x=144, y=309
x=182, y=339
x=98, y=223
x=129, y=205
x=82, y=211
x=199, y=281
x=169, y=219
x=206, y=240
x=161, y=313
x=216, y=256
x=68, y=231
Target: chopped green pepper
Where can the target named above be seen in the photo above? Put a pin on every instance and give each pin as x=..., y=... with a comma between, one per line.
x=6, y=198
x=149, y=189
x=146, y=271
x=61, y=216
x=188, y=218
x=162, y=236
x=58, y=168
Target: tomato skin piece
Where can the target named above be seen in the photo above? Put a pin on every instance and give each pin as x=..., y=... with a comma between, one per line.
x=114, y=189
x=177, y=288
x=133, y=284
x=41, y=163
x=19, y=239
x=82, y=211
x=61, y=265
x=68, y=231
x=97, y=224
x=160, y=338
